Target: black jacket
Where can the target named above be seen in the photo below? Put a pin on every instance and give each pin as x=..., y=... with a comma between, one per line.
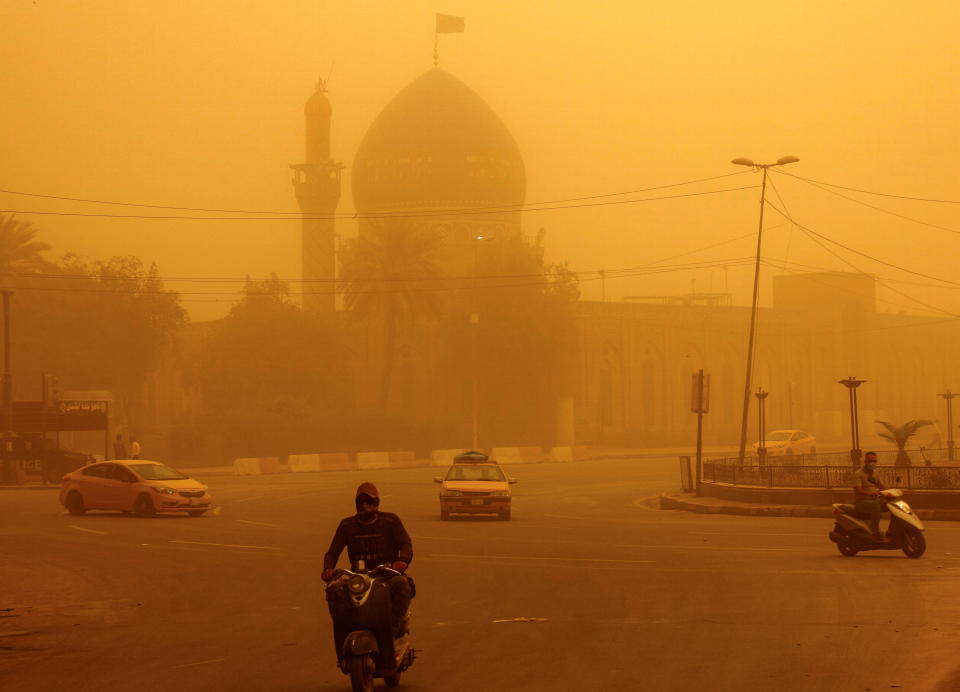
x=382, y=542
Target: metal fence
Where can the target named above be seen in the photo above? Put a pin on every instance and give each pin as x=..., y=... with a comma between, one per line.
x=829, y=476
x=885, y=457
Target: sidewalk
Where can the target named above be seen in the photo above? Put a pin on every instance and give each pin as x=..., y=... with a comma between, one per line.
x=711, y=505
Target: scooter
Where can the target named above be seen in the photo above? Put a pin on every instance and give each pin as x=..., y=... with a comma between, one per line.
x=851, y=532
x=367, y=645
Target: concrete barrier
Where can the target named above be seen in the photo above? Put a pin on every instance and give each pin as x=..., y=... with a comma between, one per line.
x=303, y=463
x=561, y=454
x=444, y=457
x=336, y=461
x=373, y=460
x=256, y=466
x=507, y=455
x=532, y=455
x=404, y=460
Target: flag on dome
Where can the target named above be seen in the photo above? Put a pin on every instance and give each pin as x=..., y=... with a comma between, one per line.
x=448, y=24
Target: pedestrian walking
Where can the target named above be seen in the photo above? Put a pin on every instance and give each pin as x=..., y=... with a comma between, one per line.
x=134, y=448
x=119, y=449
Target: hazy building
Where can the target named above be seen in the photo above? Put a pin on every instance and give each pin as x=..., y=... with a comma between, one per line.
x=317, y=186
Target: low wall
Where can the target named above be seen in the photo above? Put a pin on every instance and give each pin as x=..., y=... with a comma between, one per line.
x=918, y=499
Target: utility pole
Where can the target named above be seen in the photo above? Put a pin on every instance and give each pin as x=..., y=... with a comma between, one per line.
x=949, y=396
x=782, y=161
x=762, y=422
x=8, y=469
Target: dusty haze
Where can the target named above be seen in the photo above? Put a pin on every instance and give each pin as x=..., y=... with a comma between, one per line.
x=200, y=105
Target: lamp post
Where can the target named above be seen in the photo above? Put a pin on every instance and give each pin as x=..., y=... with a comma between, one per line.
x=474, y=335
x=782, y=161
x=948, y=395
x=762, y=421
x=851, y=383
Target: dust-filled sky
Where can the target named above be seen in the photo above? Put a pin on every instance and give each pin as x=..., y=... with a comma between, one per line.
x=199, y=104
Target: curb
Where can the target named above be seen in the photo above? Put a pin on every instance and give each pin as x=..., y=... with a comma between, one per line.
x=693, y=505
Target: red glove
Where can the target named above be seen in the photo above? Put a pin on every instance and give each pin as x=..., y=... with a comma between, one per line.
x=327, y=574
x=400, y=566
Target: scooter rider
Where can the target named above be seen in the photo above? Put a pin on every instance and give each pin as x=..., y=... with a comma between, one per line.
x=867, y=489
x=377, y=538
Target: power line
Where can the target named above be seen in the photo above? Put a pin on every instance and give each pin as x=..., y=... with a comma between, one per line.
x=440, y=213
x=247, y=211
x=867, y=192
x=876, y=208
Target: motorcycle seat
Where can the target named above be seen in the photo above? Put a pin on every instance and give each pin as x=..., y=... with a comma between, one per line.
x=851, y=511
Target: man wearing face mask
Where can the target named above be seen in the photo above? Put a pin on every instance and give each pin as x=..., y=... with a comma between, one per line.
x=867, y=489
x=377, y=538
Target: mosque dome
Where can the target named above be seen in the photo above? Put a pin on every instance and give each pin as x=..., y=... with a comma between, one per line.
x=437, y=144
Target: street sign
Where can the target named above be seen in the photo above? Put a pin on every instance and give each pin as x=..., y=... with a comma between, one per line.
x=700, y=393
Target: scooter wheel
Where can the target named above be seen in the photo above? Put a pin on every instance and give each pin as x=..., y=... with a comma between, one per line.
x=846, y=549
x=914, y=544
x=361, y=673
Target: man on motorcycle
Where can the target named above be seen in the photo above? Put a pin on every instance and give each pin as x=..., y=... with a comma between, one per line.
x=377, y=538
x=866, y=489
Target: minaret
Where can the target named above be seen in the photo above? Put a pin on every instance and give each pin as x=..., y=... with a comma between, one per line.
x=317, y=185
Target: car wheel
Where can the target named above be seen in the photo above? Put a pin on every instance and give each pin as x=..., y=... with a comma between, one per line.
x=74, y=503
x=505, y=515
x=444, y=515
x=196, y=512
x=144, y=506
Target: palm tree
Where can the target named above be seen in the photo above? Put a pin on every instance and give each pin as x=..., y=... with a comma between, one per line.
x=900, y=435
x=19, y=251
x=389, y=274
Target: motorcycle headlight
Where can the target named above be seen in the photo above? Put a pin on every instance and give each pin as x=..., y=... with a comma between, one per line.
x=357, y=584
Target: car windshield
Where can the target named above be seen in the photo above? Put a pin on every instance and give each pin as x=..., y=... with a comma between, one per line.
x=463, y=472
x=779, y=436
x=157, y=472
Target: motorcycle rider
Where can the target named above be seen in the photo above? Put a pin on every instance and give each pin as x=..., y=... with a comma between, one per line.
x=377, y=538
x=866, y=489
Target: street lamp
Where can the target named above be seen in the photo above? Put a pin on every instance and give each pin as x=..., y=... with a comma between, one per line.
x=474, y=335
x=762, y=421
x=948, y=395
x=782, y=161
x=851, y=383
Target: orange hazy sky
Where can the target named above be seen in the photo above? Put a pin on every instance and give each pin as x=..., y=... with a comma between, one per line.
x=199, y=104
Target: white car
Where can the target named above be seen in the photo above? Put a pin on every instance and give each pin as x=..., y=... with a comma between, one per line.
x=787, y=442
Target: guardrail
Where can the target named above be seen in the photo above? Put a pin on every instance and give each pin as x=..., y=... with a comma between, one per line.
x=829, y=476
x=918, y=456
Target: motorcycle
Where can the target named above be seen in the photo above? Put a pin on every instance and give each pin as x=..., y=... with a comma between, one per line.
x=367, y=644
x=851, y=532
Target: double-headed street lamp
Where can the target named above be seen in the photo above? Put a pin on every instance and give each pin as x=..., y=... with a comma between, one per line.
x=782, y=161
x=762, y=421
x=851, y=383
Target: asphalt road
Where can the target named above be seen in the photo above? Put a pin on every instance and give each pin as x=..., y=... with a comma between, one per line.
x=588, y=588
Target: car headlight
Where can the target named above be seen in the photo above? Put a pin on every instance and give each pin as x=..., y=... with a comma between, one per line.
x=165, y=491
x=499, y=493
x=452, y=493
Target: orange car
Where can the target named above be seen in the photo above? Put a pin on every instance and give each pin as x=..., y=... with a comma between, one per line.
x=144, y=487
x=475, y=484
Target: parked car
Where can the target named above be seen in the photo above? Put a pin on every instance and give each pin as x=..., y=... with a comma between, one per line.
x=144, y=487
x=475, y=484
x=788, y=442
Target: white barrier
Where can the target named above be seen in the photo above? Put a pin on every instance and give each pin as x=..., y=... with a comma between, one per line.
x=444, y=457
x=247, y=466
x=373, y=460
x=507, y=455
x=303, y=463
x=561, y=454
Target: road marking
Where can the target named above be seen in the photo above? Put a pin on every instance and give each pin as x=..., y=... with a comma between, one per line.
x=80, y=528
x=259, y=523
x=741, y=533
x=198, y=663
x=227, y=545
x=699, y=547
x=559, y=559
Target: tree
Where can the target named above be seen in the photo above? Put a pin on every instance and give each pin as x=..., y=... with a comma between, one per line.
x=390, y=276
x=19, y=251
x=899, y=436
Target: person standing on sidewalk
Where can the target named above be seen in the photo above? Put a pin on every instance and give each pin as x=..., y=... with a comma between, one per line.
x=134, y=448
x=119, y=449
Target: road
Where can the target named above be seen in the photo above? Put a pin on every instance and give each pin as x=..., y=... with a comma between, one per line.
x=589, y=587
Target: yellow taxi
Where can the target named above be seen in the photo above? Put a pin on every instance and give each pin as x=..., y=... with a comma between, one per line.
x=144, y=487
x=475, y=484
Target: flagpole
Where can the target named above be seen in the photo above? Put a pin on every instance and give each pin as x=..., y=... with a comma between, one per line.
x=436, y=50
